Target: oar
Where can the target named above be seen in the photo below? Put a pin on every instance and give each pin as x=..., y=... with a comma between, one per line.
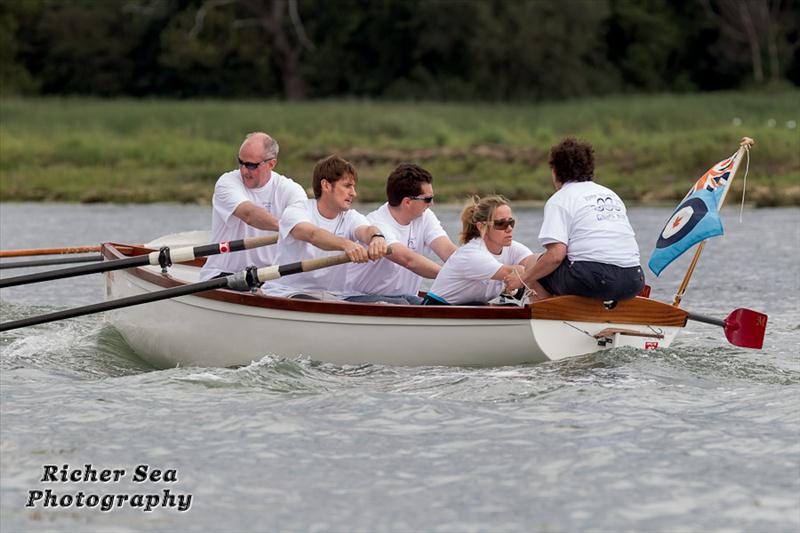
x=49, y=262
x=249, y=278
x=49, y=251
x=164, y=257
x=743, y=327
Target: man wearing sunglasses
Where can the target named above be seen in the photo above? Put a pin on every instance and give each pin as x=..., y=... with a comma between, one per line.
x=248, y=202
x=591, y=248
x=324, y=226
x=417, y=231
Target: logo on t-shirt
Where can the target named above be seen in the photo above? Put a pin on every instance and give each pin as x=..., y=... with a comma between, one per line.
x=608, y=208
x=412, y=242
x=268, y=206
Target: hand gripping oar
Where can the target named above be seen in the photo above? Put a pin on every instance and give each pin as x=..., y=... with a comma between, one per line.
x=164, y=257
x=249, y=278
x=49, y=262
x=743, y=327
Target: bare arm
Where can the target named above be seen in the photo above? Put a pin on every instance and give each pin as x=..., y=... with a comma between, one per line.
x=552, y=257
x=376, y=246
x=529, y=261
x=325, y=240
x=419, y=264
x=507, y=270
x=443, y=247
x=255, y=216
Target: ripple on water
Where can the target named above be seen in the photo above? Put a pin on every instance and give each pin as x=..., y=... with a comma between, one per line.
x=79, y=348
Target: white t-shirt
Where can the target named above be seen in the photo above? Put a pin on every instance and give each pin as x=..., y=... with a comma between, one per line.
x=383, y=276
x=279, y=193
x=592, y=221
x=466, y=275
x=290, y=250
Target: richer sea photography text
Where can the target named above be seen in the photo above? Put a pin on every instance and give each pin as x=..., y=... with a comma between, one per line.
x=142, y=475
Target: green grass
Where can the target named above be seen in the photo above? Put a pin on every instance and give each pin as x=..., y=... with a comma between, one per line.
x=649, y=148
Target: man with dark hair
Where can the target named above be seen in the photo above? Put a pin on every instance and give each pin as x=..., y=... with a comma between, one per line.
x=590, y=245
x=320, y=227
x=247, y=203
x=413, y=230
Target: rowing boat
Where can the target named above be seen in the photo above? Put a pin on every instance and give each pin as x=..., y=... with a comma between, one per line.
x=170, y=318
x=223, y=328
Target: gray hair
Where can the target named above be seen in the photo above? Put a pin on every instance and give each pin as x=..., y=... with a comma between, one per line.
x=271, y=147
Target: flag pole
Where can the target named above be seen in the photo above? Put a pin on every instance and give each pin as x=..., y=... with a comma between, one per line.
x=746, y=143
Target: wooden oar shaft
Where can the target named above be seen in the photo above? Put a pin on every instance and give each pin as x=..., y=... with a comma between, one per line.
x=49, y=251
x=188, y=253
x=62, y=251
x=51, y=262
x=275, y=272
x=153, y=258
x=252, y=243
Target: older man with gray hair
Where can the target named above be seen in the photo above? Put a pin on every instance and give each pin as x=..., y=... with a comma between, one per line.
x=248, y=202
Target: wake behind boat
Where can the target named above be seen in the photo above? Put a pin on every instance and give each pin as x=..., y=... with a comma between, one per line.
x=229, y=328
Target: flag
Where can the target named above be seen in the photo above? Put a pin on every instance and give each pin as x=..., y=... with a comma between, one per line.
x=697, y=216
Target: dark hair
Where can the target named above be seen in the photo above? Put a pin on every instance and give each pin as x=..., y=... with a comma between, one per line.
x=478, y=210
x=406, y=180
x=572, y=160
x=332, y=168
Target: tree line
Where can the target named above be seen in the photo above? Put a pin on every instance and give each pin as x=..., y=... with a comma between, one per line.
x=520, y=50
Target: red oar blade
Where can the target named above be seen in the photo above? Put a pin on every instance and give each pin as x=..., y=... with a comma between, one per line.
x=745, y=328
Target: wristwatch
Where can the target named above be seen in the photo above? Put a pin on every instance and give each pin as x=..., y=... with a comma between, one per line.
x=377, y=235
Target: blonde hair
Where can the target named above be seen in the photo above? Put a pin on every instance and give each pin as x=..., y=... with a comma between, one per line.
x=478, y=210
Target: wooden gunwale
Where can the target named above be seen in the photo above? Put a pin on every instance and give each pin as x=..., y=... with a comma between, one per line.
x=565, y=308
x=636, y=311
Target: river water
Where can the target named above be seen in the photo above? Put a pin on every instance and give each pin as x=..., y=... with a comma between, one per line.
x=701, y=436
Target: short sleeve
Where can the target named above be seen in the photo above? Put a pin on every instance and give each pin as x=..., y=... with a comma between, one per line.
x=227, y=197
x=388, y=233
x=291, y=193
x=433, y=228
x=353, y=221
x=292, y=216
x=477, y=264
x=519, y=252
x=555, y=226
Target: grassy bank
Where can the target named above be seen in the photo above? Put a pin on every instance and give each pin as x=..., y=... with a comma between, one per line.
x=649, y=148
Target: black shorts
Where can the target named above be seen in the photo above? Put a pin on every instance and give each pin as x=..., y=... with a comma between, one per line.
x=595, y=280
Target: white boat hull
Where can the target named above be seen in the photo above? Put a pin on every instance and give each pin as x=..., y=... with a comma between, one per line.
x=199, y=330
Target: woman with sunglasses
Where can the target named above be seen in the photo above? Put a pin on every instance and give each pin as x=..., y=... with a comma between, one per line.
x=474, y=274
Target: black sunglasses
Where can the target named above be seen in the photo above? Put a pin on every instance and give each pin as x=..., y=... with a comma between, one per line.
x=253, y=166
x=503, y=223
x=426, y=199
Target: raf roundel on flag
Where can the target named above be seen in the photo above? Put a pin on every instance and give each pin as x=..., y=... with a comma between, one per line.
x=682, y=222
x=696, y=219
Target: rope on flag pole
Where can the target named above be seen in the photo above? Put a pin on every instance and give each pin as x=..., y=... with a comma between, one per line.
x=744, y=181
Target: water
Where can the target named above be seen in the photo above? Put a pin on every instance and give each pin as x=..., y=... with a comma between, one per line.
x=702, y=436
